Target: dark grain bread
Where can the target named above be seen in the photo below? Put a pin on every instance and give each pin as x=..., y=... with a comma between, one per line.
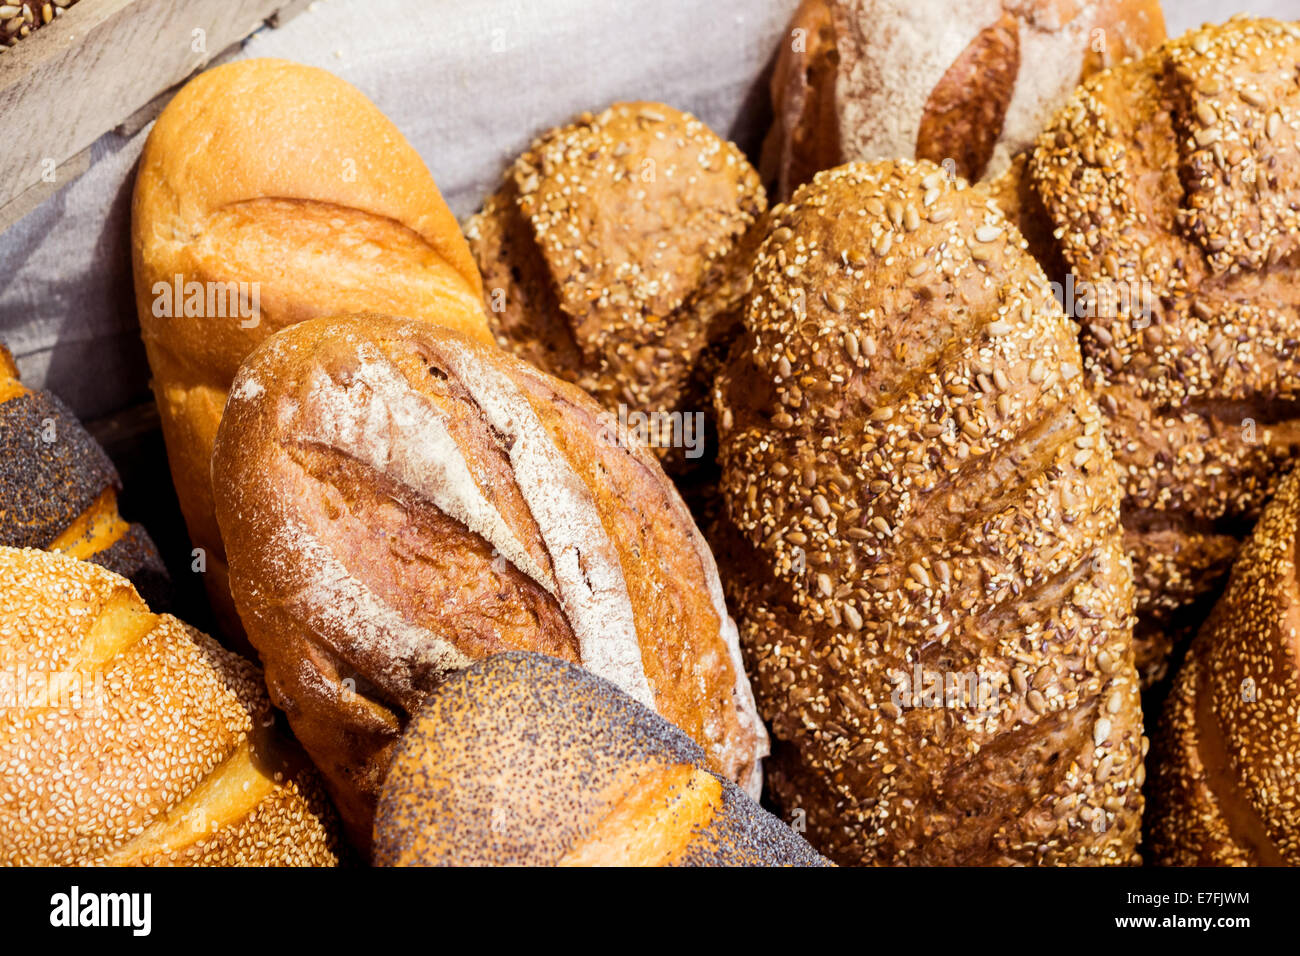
x=918, y=488
x=522, y=759
x=971, y=82
x=1173, y=188
x=399, y=501
x=1224, y=785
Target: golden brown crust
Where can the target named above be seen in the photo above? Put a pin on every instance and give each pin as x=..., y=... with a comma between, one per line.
x=527, y=760
x=1172, y=185
x=874, y=79
x=1224, y=788
x=915, y=477
x=613, y=256
x=129, y=738
x=286, y=179
x=399, y=500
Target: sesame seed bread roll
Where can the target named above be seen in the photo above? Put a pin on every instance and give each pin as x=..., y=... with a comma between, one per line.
x=58, y=490
x=1224, y=785
x=1172, y=184
x=968, y=81
x=526, y=760
x=921, y=539
x=616, y=254
x=130, y=739
x=284, y=194
x=400, y=500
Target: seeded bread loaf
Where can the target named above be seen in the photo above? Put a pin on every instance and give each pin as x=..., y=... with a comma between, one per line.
x=18, y=18
x=58, y=490
x=615, y=256
x=399, y=500
x=1173, y=186
x=967, y=81
x=918, y=490
x=269, y=193
x=129, y=738
x=526, y=760
x=1225, y=790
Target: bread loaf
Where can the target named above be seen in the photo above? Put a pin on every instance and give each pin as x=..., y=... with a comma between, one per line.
x=129, y=738
x=1224, y=786
x=269, y=193
x=399, y=500
x=19, y=18
x=615, y=256
x=921, y=538
x=1173, y=184
x=971, y=82
x=522, y=759
x=58, y=490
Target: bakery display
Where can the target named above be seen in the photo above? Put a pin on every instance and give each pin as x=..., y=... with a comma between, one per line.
x=58, y=490
x=523, y=759
x=399, y=500
x=129, y=738
x=1172, y=184
x=303, y=200
x=967, y=85
x=919, y=493
x=1225, y=791
x=615, y=256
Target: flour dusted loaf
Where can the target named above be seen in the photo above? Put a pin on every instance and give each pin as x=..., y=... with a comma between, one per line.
x=523, y=759
x=1225, y=789
x=129, y=738
x=615, y=256
x=1173, y=187
x=399, y=500
x=58, y=490
x=269, y=193
x=918, y=491
x=970, y=81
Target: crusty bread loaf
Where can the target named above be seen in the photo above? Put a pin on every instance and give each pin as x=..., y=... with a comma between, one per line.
x=1225, y=791
x=1173, y=184
x=615, y=256
x=399, y=500
x=285, y=179
x=58, y=490
x=971, y=81
x=522, y=759
x=129, y=738
x=918, y=490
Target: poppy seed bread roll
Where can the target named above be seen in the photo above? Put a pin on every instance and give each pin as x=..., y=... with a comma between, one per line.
x=269, y=193
x=523, y=759
x=399, y=500
x=1172, y=187
x=128, y=738
x=1224, y=787
x=919, y=494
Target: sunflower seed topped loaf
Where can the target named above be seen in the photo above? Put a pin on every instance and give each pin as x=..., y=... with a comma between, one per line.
x=1173, y=186
x=615, y=256
x=918, y=491
x=523, y=759
x=129, y=738
x=399, y=500
x=58, y=490
x=1225, y=787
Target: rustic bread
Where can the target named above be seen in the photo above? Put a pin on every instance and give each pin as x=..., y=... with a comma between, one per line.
x=285, y=194
x=522, y=759
x=1173, y=185
x=972, y=81
x=1224, y=785
x=399, y=500
x=615, y=256
x=918, y=489
x=129, y=738
x=58, y=490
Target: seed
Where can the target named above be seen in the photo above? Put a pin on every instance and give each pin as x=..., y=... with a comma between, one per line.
x=851, y=345
x=1082, y=457
x=1037, y=702
x=879, y=487
x=940, y=214
x=1205, y=113
x=1114, y=804
x=796, y=538
x=1200, y=44
x=1141, y=776
x=998, y=327
x=1044, y=676
x=9, y=10
x=933, y=180
x=1069, y=370
x=884, y=244
x=835, y=301
x=911, y=218
x=987, y=233
x=1037, y=371
x=821, y=506
x=890, y=710
x=881, y=525
x=783, y=367
x=1208, y=137
x=979, y=253
x=1101, y=730
x=1254, y=98
x=919, y=268
x=895, y=212
x=882, y=414
x=930, y=196
x=47, y=13
x=784, y=234
x=856, y=258
x=853, y=617
x=1114, y=702
x=1105, y=662
x=1103, y=771
x=1018, y=679
x=1274, y=125
x=1000, y=379
x=919, y=574
x=869, y=347
x=824, y=584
